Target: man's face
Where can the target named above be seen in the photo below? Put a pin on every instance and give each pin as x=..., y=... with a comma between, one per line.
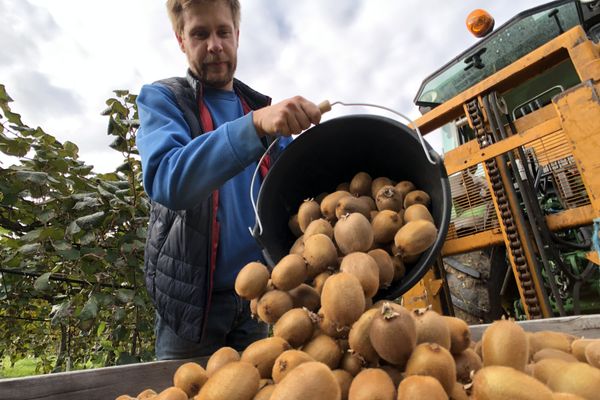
x=210, y=41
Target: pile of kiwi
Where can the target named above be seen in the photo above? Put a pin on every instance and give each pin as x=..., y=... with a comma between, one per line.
x=329, y=341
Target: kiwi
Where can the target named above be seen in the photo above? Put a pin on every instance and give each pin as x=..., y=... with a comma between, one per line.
x=358, y=337
x=566, y=396
x=310, y=380
x=295, y=326
x=238, y=380
x=421, y=387
x=395, y=374
x=431, y=327
x=298, y=246
x=289, y=272
x=343, y=186
x=294, y=225
x=308, y=211
x=467, y=362
x=399, y=268
x=578, y=348
x=500, y=382
x=405, y=187
x=251, y=281
x=501, y=336
x=372, y=383
x=319, y=281
x=388, y=198
x=319, y=253
x=417, y=211
x=344, y=380
x=360, y=184
x=265, y=393
x=550, y=339
x=433, y=360
x=458, y=392
x=342, y=299
x=351, y=204
x=393, y=334
x=353, y=233
x=365, y=268
x=221, y=357
x=272, y=305
x=415, y=237
x=553, y=353
x=329, y=203
x=460, y=335
x=351, y=362
x=325, y=349
x=172, y=393
x=577, y=378
x=262, y=354
x=369, y=202
x=320, y=225
x=385, y=266
x=146, y=394
x=287, y=361
x=332, y=329
x=544, y=369
x=416, y=197
x=190, y=377
x=378, y=183
x=305, y=296
x=385, y=225
x=592, y=354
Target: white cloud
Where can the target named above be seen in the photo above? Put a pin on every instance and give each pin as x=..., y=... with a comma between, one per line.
x=61, y=59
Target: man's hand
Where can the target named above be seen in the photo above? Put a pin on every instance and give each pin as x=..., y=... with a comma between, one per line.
x=286, y=118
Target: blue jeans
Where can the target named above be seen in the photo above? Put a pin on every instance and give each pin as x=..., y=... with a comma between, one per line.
x=229, y=324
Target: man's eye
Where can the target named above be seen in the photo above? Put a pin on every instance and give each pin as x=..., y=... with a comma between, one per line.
x=225, y=33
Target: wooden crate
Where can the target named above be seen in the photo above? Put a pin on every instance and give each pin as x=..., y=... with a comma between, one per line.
x=110, y=382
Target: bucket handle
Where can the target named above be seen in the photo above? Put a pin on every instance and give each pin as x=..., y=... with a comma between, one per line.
x=324, y=107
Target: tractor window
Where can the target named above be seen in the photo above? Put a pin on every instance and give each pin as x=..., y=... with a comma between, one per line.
x=519, y=36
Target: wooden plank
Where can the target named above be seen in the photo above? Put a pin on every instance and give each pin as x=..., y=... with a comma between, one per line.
x=587, y=326
x=101, y=383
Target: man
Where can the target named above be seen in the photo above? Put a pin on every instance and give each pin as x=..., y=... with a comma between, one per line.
x=200, y=139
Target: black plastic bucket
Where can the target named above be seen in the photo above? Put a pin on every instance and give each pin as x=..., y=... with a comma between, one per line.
x=333, y=152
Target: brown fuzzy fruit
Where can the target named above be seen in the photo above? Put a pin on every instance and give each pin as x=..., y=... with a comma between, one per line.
x=190, y=377
x=369, y=202
x=433, y=360
x=421, y=387
x=393, y=334
x=417, y=197
x=405, y=187
x=353, y=363
x=294, y=226
x=146, y=394
x=308, y=211
x=361, y=184
x=353, y=233
x=319, y=253
x=372, y=383
x=501, y=336
x=320, y=225
x=385, y=266
x=332, y=329
x=263, y=353
x=378, y=183
x=298, y=246
x=295, y=326
x=342, y=299
x=265, y=393
x=221, y=357
x=344, y=380
x=415, y=237
x=578, y=348
x=272, y=305
x=287, y=361
x=399, y=268
x=329, y=203
x=289, y=272
x=431, y=328
x=319, y=281
x=358, y=338
x=460, y=335
x=416, y=212
x=305, y=296
x=544, y=369
x=365, y=268
x=310, y=380
x=467, y=362
x=499, y=382
x=172, y=393
x=238, y=380
x=388, y=199
x=385, y=225
x=324, y=349
x=553, y=353
x=592, y=354
x=351, y=204
x=251, y=281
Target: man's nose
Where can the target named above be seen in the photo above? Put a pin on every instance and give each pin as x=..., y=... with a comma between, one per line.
x=214, y=44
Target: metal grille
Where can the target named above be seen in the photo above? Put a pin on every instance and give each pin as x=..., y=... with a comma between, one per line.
x=553, y=154
x=472, y=206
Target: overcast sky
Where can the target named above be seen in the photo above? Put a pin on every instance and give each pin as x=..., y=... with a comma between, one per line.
x=61, y=59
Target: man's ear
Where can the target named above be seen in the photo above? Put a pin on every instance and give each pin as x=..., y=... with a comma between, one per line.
x=237, y=39
x=180, y=41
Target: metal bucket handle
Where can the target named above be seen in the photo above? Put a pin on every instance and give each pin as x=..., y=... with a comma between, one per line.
x=325, y=106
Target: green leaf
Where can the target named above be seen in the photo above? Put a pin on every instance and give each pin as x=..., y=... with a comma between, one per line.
x=89, y=310
x=42, y=283
x=90, y=221
x=38, y=178
x=29, y=249
x=125, y=295
x=71, y=148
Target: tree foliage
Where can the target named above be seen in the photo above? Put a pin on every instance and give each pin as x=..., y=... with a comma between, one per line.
x=71, y=248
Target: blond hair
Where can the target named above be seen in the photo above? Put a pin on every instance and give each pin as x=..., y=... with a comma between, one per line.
x=175, y=9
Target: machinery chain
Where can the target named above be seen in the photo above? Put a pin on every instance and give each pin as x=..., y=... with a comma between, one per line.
x=484, y=139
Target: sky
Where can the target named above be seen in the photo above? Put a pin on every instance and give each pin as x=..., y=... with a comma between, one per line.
x=61, y=59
